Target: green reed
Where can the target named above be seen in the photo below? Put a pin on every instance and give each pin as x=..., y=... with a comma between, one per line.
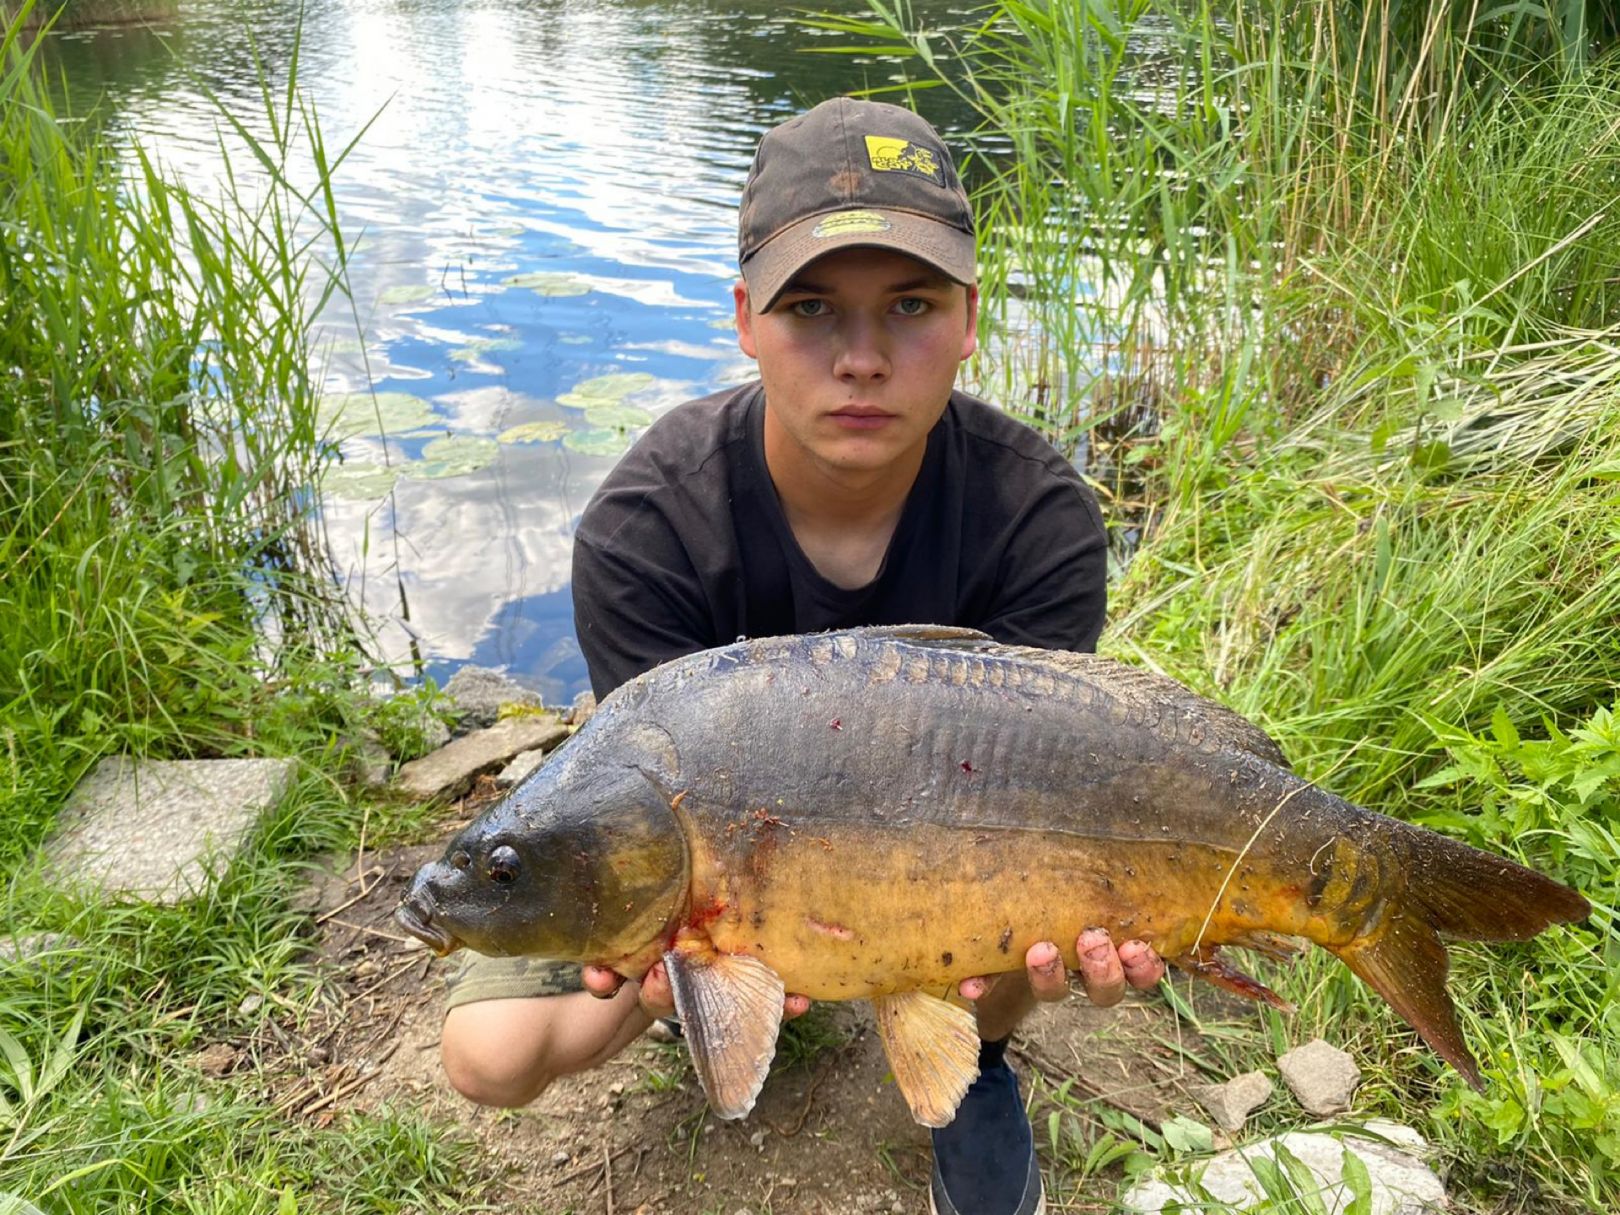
x=1326, y=292
x=160, y=559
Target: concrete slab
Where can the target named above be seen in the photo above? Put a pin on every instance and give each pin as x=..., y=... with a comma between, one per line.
x=161, y=830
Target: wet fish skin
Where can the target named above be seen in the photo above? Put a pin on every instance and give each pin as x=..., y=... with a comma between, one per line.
x=875, y=812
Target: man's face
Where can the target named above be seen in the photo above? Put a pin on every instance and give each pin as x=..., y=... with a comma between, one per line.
x=858, y=358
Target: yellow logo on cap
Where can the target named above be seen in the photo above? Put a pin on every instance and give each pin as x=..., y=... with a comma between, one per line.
x=889, y=155
x=846, y=222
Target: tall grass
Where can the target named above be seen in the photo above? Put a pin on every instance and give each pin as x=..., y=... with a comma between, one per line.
x=163, y=592
x=160, y=560
x=1329, y=291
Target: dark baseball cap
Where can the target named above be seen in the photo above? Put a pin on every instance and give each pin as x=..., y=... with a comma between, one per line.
x=850, y=174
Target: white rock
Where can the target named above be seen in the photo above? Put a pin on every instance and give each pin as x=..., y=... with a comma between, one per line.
x=479, y=692
x=1321, y=1077
x=448, y=771
x=1231, y=1103
x=1401, y=1184
x=524, y=765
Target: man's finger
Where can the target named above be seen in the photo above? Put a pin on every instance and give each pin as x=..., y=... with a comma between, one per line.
x=657, y=998
x=1143, y=967
x=600, y=981
x=976, y=988
x=1048, y=979
x=1100, y=971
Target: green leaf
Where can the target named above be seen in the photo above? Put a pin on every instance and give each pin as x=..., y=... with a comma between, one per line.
x=1185, y=1135
x=1359, y=1182
x=22, y=1067
x=547, y=431
x=1503, y=729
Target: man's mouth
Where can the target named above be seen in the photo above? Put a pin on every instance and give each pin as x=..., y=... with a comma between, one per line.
x=861, y=417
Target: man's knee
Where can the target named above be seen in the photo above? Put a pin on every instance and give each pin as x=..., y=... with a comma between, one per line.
x=494, y=1051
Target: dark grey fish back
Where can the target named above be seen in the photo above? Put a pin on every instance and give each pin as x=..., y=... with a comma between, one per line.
x=1159, y=696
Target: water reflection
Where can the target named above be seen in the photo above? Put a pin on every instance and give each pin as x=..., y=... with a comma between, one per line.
x=545, y=196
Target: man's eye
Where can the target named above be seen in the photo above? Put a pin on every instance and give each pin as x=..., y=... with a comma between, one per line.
x=911, y=305
x=808, y=307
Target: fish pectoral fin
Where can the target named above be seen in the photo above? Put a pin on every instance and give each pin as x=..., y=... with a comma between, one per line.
x=1206, y=962
x=933, y=1049
x=731, y=1010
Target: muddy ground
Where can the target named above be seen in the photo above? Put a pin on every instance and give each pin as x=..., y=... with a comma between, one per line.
x=829, y=1132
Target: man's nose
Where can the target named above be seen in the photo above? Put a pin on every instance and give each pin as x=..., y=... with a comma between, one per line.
x=863, y=352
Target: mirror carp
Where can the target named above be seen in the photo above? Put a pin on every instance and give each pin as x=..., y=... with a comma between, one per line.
x=880, y=813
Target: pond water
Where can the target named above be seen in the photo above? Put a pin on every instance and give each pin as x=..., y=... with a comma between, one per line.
x=545, y=210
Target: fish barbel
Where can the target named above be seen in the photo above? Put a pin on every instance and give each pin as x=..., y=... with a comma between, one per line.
x=881, y=813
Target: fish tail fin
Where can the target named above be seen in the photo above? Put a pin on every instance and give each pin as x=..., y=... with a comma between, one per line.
x=1479, y=896
x=1458, y=891
x=1407, y=964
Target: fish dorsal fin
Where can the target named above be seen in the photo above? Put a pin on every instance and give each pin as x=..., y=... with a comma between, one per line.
x=933, y=1049
x=1158, y=694
x=731, y=1009
x=932, y=634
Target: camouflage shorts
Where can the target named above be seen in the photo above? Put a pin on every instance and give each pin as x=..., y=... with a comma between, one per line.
x=477, y=977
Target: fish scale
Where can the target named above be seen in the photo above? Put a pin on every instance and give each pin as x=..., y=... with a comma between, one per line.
x=881, y=813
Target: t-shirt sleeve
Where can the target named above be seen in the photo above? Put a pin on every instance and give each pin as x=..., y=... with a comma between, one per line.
x=637, y=600
x=1053, y=585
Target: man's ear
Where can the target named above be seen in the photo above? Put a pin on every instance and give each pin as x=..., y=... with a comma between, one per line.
x=745, y=319
x=970, y=339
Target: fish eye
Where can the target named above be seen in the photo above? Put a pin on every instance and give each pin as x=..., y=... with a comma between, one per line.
x=459, y=859
x=503, y=864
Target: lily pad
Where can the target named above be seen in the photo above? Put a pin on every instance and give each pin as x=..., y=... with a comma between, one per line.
x=549, y=282
x=408, y=293
x=452, y=456
x=616, y=415
x=597, y=442
x=476, y=349
x=359, y=482
x=548, y=431
x=606, y=389
x=347, y=414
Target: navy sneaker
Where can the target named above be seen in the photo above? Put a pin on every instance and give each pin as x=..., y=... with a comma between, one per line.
x=984, y=1161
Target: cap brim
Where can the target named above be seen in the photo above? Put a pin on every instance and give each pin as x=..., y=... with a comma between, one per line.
x=947, y=249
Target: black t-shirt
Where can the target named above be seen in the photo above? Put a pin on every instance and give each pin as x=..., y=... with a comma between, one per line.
x=685, y=545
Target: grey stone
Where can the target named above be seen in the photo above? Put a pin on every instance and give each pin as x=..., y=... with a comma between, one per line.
x=1321, y=1077
x=451, y=769
x=40, y=948
x=1231, y=1103
x=371, y=763
x=582, y=710
x=163, y=829
x=1401, y=1184
x=523, y=765
x=478, y=694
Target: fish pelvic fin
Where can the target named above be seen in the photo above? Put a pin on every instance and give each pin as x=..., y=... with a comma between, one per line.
x=933, y=1049
x=1207, y=963
x=1407, y=965
x=731, y=1010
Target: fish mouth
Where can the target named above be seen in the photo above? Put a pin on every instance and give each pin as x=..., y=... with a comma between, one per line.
x=416, y=917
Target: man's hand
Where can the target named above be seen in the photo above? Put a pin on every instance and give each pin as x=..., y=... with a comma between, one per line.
x=1104, y=971
x=655, y=996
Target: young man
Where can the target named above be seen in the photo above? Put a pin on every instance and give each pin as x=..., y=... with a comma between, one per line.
x=850, y=485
